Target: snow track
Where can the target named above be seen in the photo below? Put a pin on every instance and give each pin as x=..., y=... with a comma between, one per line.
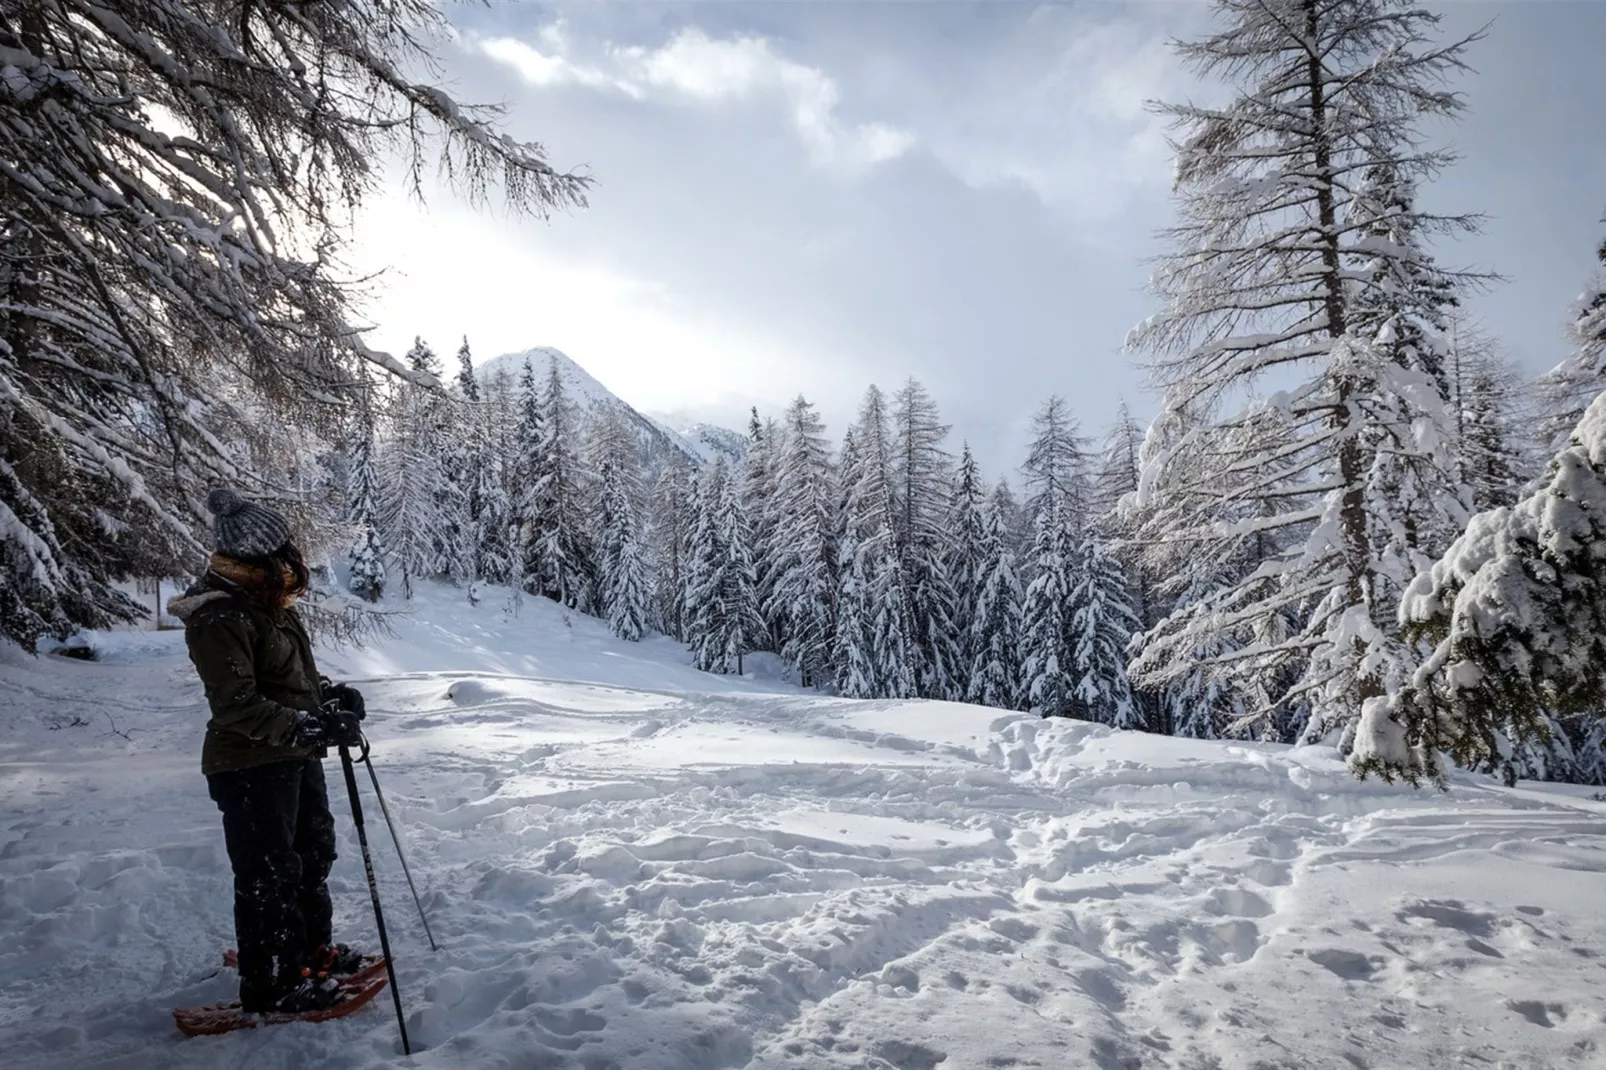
x=641, y=877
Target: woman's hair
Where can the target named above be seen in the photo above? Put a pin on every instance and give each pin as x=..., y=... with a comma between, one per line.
x=283, y=573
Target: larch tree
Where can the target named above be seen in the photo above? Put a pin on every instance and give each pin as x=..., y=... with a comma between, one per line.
x=179, y=177
x=1283, y=267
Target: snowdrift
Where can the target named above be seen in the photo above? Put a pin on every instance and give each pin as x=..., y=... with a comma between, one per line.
x=634, y=866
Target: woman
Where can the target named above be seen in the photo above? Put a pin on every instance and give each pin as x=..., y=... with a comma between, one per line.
x=272, y=719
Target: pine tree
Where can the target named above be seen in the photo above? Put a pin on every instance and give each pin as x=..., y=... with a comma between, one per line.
x=1287, y=195
x=1568, y=389
x=1101, y=624
x=674, y=520
x=469, y=470
x=1056, y=466
x=994, y=639
x=969, y=558
x=562, y=550
x=416, y=495
x=468, y=386
x=892, y=638
x=524, y=469
x=624, y=588
x=865, y=649
x=494, y=479
x=720, y=606
x=367, y=555
x=745, y=624
x=1046, y=659
x=758, y=492
x=798, y=607
x=857, y=675
x=921, y=473
x=1516, y=615
x=181, y=178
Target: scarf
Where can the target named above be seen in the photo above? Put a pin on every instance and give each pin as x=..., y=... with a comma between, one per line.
x=253, y=579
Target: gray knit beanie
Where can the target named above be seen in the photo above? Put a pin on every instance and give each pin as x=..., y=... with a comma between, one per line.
x=245, y=529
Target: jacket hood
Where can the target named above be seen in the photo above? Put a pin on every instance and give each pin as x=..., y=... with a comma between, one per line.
x=185, y=606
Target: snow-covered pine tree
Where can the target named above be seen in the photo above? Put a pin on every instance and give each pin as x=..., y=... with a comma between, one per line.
x=416, y=495
x=866, y=523
x=1567, y=389
x=968, y=559
x=499, y=425
x=1101, y=625
x=523, y=469
x=892, y=640
x=1017, y=531
x=469, y=468
x=1046, y=659
x=921, y=479
x=626, y=594
x=798, y=608
x=674, y=520
x=994, y=675
x=1117, y=520
x=163, y=253
x=758, y=490
x=1056, y=468
x=744, y=629
x=720, y=607
x=557, y=513
x=1487, y=400
x=1278, y=267
x=367, y=555
x=1516, y=613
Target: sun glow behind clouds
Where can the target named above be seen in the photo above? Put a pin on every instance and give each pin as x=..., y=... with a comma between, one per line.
x=635, y=335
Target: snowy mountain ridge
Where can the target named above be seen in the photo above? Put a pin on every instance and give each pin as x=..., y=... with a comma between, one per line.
x=660, y=442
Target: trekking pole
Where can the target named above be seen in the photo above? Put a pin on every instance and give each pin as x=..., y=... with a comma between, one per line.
x=373, y=890
x=394, y=838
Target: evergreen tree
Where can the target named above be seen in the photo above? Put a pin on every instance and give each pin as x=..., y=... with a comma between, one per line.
x=798, y=607
x=994, y=641
x=1286, y=196
x=1101, y=623
x=857, y=675
x=367, y=555
x=892, y=639
x=1567, y=389
x=969, y=559
x=921, y=472
x=1056, y=466
x=524, y=468
x=562, y=550
x=867, y=514
x=625, y=592
x=758, y=492
x=674, y=521
x=495, y=479
x=417, y=497
x=468, y=386
x=745, y=624
x=470, y=470
x=1516, y=615
x=1047, y=660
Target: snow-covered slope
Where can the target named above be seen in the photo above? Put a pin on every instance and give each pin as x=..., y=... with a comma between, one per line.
x=632, y=865
x=659, y=442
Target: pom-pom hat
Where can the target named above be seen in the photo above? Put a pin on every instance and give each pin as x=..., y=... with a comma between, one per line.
x=245, y=529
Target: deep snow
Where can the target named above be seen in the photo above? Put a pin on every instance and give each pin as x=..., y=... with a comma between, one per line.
x=633, y=865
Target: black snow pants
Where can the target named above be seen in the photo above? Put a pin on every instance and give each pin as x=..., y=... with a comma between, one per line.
x=281, y=842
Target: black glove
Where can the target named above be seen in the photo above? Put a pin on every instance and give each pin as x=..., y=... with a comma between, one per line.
x=344, y=696
x=329, y=727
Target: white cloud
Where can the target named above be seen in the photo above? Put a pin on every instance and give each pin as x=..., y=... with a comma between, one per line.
x=547, y=70
x=693, y=67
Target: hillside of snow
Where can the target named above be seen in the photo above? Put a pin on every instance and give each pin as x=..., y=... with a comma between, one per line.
x=634, y=866
x=659, y=440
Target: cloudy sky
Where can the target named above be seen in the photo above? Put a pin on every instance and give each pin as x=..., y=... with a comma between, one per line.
x=809, y=197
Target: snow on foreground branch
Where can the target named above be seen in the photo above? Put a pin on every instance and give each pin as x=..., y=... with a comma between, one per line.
x=176, y=178
x=1517, y=612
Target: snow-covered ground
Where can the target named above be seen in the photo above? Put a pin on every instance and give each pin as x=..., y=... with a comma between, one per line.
x=631, y=865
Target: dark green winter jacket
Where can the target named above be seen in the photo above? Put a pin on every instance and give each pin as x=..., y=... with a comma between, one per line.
x=258, y=672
